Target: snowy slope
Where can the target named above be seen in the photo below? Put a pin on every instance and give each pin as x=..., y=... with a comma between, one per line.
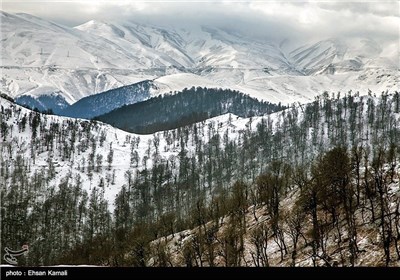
x=41, y=57
x=177, y=82
x=123, y=144
x=288, y=89
x=101, y=103
x=98, y=104
x=45, y=102
x=120, y=141
x=115, y=136
x=343, y=55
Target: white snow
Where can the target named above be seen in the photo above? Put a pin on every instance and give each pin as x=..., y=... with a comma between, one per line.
x=177, y=82
x=40, y=57
x=121, y=145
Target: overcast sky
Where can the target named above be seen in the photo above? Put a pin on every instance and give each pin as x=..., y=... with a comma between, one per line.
x=292, y=19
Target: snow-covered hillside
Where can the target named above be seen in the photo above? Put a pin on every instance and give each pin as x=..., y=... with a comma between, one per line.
x=83, y=147
x=60, y=177
x=124, y=146
x=41, y=57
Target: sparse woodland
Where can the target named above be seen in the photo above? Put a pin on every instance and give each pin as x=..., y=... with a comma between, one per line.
x=313, y=185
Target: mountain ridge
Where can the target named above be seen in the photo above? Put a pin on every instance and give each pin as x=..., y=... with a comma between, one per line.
x=41, y=57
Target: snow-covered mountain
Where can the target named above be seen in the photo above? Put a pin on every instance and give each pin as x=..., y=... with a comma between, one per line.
x=43, y=58
x=341, y=56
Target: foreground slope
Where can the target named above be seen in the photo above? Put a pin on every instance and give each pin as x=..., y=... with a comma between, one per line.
x=92, y=191
x=254, y=241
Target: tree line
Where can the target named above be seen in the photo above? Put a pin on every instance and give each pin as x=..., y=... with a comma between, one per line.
x=338, y=154
x=183, y=108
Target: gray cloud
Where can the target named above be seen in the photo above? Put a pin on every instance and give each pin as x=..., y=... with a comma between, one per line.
x=380, y=8
x=271, y=19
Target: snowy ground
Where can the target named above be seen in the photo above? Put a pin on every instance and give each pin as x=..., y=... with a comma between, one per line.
x=121, y=143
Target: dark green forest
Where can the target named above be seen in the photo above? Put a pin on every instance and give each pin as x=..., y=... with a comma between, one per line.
x=186, y=107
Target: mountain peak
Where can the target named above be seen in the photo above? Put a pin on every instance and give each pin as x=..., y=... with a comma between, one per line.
x=97, y=56
x=93, y=23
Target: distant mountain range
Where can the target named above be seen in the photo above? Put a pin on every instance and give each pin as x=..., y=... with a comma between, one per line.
x=41, y=58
